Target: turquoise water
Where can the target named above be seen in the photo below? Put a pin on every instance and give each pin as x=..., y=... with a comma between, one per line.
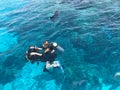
x=88, y=30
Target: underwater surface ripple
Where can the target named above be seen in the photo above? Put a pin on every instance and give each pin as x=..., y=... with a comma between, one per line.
x=88, y=30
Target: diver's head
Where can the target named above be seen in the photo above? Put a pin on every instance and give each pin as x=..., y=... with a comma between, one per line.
x=45, y=44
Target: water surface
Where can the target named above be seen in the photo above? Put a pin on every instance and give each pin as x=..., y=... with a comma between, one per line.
x=88, y=30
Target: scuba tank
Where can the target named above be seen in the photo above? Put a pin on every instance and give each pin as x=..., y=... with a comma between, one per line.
x=59, y=48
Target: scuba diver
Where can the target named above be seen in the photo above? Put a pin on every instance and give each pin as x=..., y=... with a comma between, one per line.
x=48, y=56
x=33, y=54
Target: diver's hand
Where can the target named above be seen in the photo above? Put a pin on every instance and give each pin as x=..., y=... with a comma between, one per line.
x=47, y=50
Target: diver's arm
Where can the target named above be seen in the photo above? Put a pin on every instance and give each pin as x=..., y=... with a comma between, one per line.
x=47, y=50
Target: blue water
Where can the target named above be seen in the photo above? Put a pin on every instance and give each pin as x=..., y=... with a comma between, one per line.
x=88, y=30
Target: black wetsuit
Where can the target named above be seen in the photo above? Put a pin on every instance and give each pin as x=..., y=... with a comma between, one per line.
x=49, y=56
x=33, y=57
x=45, y=56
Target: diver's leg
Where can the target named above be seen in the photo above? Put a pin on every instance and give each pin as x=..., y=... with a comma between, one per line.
x=47, y=66
x=56, y=64
x=45, y=69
